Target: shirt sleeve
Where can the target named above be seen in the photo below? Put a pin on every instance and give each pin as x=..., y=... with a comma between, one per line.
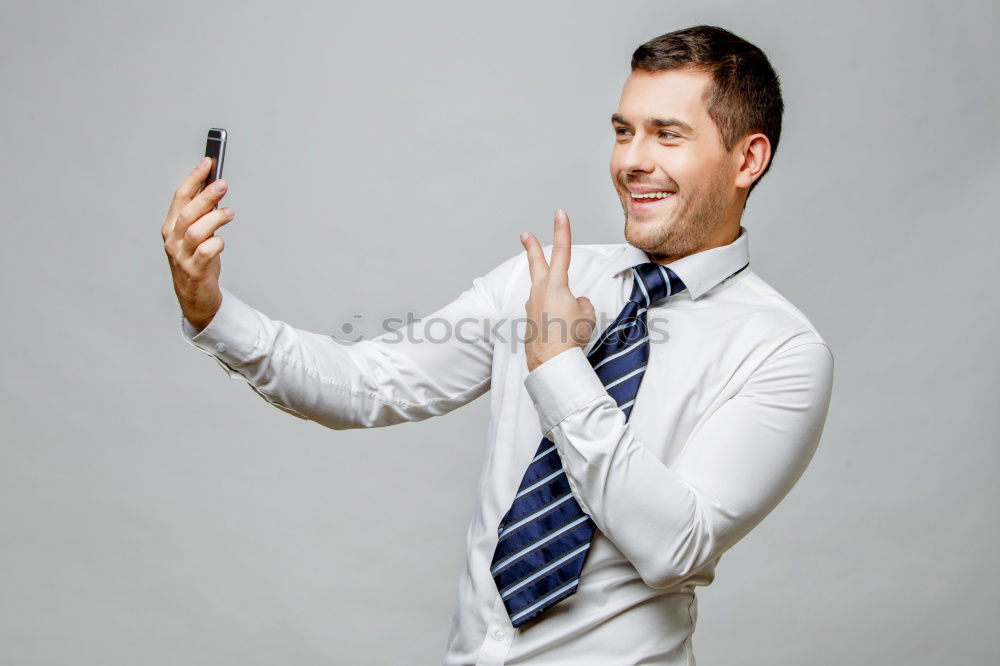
x=670, y=521
x=425, y=368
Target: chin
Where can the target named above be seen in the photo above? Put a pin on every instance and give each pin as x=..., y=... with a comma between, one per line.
x=647, y=234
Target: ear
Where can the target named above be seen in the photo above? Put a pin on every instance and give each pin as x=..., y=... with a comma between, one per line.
x=752, y=157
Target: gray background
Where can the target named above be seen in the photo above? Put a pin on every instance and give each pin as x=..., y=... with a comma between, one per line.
x=154, y=511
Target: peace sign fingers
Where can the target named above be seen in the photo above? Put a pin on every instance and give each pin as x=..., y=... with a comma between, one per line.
x=538, y=267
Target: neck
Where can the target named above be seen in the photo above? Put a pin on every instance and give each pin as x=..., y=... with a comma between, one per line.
x=722, y=235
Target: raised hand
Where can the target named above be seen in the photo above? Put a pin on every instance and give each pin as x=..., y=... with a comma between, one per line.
x=191, y=246
x=558, y=320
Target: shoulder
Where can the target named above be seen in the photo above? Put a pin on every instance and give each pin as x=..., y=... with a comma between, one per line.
x=749, y=327
x=773, y=312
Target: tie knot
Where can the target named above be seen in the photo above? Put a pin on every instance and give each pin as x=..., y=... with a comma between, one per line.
x=654, y=282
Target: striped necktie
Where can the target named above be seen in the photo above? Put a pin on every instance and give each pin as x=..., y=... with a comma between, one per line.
x=543, y=539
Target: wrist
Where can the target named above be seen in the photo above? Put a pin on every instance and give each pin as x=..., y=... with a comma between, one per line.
x=535, y=359
x=199, y=321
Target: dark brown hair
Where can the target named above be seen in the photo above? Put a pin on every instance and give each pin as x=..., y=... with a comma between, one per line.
x=745, y=94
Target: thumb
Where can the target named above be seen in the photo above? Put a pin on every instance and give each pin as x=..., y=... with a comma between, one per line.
x=585, y=303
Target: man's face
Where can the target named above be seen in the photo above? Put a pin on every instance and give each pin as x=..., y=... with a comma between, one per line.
x=684, y=156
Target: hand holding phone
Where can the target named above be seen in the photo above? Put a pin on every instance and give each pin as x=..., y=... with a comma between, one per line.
x=193, y=250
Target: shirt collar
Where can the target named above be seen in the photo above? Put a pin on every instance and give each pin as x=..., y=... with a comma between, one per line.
x=700, y=271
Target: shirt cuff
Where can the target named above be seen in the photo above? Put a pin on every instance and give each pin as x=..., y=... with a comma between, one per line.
x=562, y=385
x=231, y=335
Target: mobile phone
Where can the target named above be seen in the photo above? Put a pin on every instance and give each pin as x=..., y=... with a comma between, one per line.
x=215, y=147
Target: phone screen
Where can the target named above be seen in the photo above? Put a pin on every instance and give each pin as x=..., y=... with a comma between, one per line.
x=215, y=147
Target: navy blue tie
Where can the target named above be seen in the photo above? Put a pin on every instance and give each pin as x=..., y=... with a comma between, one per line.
x=543, y=539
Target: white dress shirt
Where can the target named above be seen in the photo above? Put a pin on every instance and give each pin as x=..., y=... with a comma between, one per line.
x=728, y=415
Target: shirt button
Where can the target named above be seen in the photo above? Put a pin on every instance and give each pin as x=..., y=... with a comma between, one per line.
x=498, y=635
x=220, y=347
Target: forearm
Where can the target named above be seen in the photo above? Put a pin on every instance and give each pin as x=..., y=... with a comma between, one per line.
x=371, y=383
x=670, y=521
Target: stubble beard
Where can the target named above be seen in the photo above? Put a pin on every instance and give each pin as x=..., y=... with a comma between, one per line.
x=686, y=228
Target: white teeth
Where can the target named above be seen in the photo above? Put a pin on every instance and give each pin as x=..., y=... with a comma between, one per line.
x=652, y=195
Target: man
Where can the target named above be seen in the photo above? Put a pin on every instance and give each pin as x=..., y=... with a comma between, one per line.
x=586, y=544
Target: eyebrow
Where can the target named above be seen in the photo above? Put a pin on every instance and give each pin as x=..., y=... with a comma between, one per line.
x=655, y=122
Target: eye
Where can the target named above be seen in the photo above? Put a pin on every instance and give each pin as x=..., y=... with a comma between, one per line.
x=670, y=133
x=619, y=130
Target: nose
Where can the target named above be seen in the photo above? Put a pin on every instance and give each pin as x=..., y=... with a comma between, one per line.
x=636, y=157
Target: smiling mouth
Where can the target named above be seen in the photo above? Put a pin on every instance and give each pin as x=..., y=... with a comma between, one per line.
x=655, y=196
x=643, y=203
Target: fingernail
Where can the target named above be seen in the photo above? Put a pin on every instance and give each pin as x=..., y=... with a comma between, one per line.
x=218, y=186
x=524, y=236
